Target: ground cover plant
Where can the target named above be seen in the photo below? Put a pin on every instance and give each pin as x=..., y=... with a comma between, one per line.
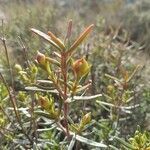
x=82, y=91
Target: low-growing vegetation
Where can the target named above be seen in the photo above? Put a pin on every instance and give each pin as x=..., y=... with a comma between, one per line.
x=68, y=87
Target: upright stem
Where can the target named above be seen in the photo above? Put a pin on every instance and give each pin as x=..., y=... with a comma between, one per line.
x=64, y=73
x=13, y=100
x=7, y=58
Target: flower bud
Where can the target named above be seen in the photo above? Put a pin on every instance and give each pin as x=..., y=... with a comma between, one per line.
x=21, y=96
x=34, y=69
x=110, y=88
x=81, y=68
x=40, y=58
x=43, y=62
x=43, y=102
x=86, y=119
x=18, y=67
x=49, y=106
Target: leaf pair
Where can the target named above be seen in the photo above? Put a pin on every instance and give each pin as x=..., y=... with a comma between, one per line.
x=80, y=39
x=58, y=44
x=46, y=37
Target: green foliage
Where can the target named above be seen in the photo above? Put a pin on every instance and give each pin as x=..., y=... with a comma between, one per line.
x=63, y=94
x=140, y=141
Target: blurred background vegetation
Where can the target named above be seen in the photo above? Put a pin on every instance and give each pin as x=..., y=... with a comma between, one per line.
x=130, y=16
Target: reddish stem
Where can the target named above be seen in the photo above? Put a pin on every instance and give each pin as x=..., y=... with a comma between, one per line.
x=64, y=73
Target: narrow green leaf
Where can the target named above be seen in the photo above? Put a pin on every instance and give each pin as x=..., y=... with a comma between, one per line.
x=71, y=145
x=56, y=40
x=46, y=37
x=83, y=88
x=133, y=73
x=90, y=142
x=34, y=88
x=125, y=143
x=113, y=147
x=113, y=78
x=44, y=114
x=69, y=30
x=112, y=105
x=53, y=61
x=45, y=81
x=46, y=129
x=80, y=39
x=77, y=98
